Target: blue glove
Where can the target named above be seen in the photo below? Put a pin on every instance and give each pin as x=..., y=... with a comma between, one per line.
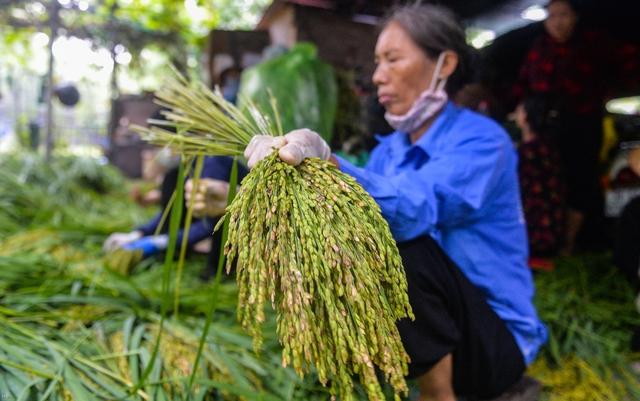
x=149, y=245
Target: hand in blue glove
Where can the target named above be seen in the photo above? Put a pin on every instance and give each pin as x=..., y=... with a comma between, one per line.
x=149, y=245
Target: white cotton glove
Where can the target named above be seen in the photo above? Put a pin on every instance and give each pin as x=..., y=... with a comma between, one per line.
x=209, y=197
x=294, y=147
x=118, y=240
x=149, y=245
x=262, y=146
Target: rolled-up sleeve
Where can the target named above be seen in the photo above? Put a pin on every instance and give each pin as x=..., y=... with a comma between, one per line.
x=381, y=189
x=149, y=227
x=199, y=230
x=445, y=191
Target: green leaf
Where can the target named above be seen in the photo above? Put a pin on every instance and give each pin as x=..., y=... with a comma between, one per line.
x=74, y=384
x=233, y=185
x=185, y=237
x=174, y=226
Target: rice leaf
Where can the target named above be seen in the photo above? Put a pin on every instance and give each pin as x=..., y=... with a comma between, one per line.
x=233, y=184
x=185, y=237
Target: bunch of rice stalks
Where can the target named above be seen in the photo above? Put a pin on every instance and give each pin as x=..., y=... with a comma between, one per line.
x=38, y=194
x=577, y=380
x=310, y=240
x=589, y=310
x=336, y=282
x=69, y=334
x=122, y=260
x=88, y=359
x=72, y=330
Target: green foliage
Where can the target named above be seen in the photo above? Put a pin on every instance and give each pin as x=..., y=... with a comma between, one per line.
x=234, y=14
x=72, y=329
x=14, y=45
x=588, y=307
x=178, y=26
x=349, y=130
x=40, y=194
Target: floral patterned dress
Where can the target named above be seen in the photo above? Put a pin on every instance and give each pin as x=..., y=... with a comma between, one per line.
x=543, y=196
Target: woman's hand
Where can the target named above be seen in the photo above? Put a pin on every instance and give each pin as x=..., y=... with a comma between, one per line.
x=118, y=240
x=294, y=147
x=209, y=198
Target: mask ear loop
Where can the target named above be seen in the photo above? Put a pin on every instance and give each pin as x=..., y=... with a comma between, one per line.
x=441, y=85
x=436, y=82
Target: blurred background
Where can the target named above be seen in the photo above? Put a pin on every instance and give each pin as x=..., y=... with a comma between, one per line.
x=76, y=73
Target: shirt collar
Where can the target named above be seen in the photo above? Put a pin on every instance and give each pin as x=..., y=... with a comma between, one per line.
x=398, y=142
x=427, y=140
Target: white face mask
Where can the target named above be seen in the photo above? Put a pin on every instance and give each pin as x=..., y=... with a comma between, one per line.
x=426, y=105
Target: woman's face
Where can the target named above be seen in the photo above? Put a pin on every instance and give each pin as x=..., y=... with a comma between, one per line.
x=561, y=21
x=403, y=71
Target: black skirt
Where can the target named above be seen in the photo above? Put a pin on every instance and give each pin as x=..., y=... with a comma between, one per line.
x=453, y=317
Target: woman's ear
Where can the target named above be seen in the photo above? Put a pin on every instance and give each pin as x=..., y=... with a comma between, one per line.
x=449, y=64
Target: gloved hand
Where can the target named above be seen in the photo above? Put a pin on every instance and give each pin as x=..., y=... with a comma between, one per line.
x=117, y=240
x=149, y=245
x=294, y=147
x=209, y=198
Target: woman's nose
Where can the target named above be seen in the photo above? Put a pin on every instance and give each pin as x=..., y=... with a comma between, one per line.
x=379, y=76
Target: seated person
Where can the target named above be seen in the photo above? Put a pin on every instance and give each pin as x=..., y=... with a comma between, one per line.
x=144, y=237
x=159, y=169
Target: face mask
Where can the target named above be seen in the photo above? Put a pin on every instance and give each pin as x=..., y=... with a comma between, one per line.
x=426, y=106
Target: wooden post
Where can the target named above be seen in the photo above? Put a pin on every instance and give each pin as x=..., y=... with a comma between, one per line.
x=53, y=25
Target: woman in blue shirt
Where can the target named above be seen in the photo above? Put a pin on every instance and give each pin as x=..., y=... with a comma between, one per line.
x=447, y=184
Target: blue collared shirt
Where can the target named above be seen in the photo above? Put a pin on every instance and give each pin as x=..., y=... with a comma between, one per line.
x=459, y=184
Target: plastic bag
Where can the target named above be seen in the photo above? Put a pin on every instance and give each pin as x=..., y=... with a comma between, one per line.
x=303, y=86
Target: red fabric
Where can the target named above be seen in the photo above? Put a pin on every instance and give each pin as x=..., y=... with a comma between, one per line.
x=582, y=72
x=543, y=196
x=542, y=264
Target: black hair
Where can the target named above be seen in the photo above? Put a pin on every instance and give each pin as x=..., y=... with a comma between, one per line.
x=224, y=74
x=435, y=29
x=571, y=4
